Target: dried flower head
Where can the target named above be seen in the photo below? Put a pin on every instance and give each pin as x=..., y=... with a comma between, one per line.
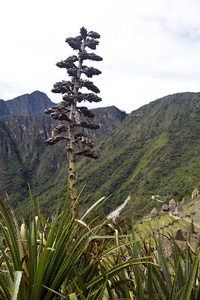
x=67, y=110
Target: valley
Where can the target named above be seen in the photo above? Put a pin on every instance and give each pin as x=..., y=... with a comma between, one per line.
x=153, y=150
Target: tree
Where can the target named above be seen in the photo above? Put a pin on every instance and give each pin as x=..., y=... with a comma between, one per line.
x=77, y=143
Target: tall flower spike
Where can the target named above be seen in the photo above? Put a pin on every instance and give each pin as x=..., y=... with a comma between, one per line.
x=67, y=110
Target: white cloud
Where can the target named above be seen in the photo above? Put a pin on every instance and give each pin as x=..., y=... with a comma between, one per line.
x=150, y=47
x=9, y=95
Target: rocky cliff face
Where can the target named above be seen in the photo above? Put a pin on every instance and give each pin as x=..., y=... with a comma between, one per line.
x=108, y=118
x=29, y=104
x=23, y=155
x=28, y=128
x=154, y=150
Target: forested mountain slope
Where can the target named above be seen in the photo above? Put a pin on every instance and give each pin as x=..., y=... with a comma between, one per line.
x=153, y=150
x=24, y=157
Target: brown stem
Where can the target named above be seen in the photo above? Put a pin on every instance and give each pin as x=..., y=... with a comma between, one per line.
x=71, y=151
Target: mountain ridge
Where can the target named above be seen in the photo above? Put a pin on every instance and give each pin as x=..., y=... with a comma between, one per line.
x=23, y=155
x=27, y=104
x=152, y=150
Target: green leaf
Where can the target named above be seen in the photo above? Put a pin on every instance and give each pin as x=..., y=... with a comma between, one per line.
x=93, y=206
x=135, y=254
x=163, y=263
x=73, y=297
x=192, y=278
x=4, y=288
x=150, y=277
x=17, y=282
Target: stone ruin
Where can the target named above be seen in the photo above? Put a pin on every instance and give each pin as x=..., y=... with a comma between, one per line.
x=191, y=229
x=165, y=208
x=178, y=235
x=172, y=203
x=185, y=200
x=154, y=212
x=195, y=193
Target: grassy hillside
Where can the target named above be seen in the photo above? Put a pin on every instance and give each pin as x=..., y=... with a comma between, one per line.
x=154, y=150
x=24, y=157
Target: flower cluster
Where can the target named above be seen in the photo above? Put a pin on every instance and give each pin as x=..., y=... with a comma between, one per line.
x=77, y=143
x=67, y=109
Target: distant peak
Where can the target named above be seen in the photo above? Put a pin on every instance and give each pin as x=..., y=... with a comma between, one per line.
x=32, y=104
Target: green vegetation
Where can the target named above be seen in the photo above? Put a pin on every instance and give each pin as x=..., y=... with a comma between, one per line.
x=154, y=150
x=69, y=258
x=73, y=255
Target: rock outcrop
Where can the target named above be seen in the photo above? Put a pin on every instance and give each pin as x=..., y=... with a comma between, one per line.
x=29, y=104
x=23, y=155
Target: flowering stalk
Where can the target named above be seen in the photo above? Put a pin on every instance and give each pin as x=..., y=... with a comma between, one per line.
x=68, y=109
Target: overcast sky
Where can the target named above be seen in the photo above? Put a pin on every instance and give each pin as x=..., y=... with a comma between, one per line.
x=150, y=48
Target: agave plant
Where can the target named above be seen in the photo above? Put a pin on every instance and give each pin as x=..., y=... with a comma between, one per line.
x=70, y=258
x=77, y=143
x=160, y=275
x=65, y=258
